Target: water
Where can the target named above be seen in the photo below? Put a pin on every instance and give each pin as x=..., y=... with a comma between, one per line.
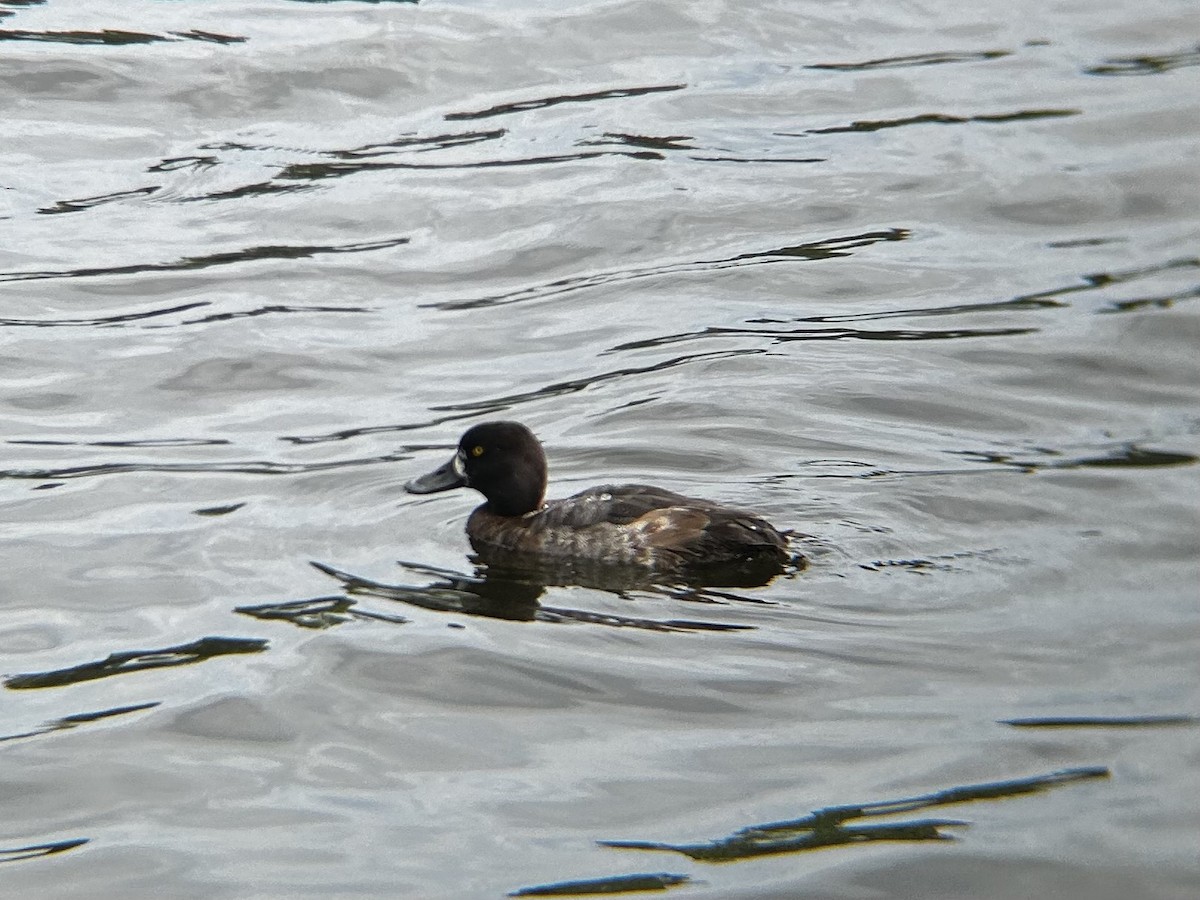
x=917, y=281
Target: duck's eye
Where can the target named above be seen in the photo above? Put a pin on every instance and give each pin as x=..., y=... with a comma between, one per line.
x=477, y=450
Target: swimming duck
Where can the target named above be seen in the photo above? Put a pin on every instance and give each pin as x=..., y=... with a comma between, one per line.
x=613, y=525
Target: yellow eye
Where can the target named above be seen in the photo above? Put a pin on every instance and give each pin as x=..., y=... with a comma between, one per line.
x=477, y=450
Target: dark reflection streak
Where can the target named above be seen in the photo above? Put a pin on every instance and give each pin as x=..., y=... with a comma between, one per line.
x=147, y=442
x=578, y=384
x=527, y=105
x=267, y=311
x=106, y=36
x=939, y=119
x=1165, y=301
x=68, y=722
x=1146, y=65
x=1040, y=300
x=315, y=171
x=238, y=468
x=759, y=159
x=1100, y=721
x=496, y=595
x=218, y=510
x=828, y=826
x=203, y=320
x=957, y=309
x=1085, y=242
x=176, y=163
x=15, y=854
x=830, y=248
x=945, y=562
x=1104, y=279
x=348, y=433
x=967, y=793
x=136, y=661
x=318, y=613
x=614, y=884
x=1124, y=455
x=420, y=144
x=209, y=37
x=84, y=203
x=735, y=848
x=259, y=189
x=189, y=263
x=645, y=142
x=921, y=59
x=113, y=36
x=104, y=320
x=821, y=334
x=896, y=473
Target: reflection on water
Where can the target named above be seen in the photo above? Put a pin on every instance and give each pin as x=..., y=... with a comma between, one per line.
x=944, y=119
x=1118, y=456
x=1151, y=64
x=494, y=594
x=823, y=249
x=318, y=613
x=13, y=854
x=1100, y=721
x=615, y=884
x=74, y=721
x=541, y=103
x=829, y=826
x=193, y=263
x=137, y=660
x=115, y=36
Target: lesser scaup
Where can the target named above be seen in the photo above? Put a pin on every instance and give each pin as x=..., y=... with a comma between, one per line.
x=618, y=525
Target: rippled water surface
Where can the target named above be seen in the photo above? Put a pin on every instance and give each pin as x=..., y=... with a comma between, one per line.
x=919, y=281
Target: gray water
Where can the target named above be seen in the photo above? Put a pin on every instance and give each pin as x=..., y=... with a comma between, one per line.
x=919, y=281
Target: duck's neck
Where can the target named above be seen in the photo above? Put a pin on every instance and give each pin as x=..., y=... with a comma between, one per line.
x=519, y=495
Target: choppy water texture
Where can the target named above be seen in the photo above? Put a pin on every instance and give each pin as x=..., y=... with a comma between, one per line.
x=920, y=282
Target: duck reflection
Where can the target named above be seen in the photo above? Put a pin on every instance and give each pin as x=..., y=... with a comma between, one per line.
x=496, y=593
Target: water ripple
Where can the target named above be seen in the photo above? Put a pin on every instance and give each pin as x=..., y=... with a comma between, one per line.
x=253, y=467
x=318, y=171
x=780, y=336
x=70, y=206
x=66, y=723
x=229, y=257
x=919, y=59
x=498, y=404
x=503, y=109
x=136, y=661
x=1146, y=65
x=13, y=854
x=117, y=319
x=1044, y=299
x=421, y=144
x=115, y=36
x=941, y=119
x=827, y=248
x=830, y=826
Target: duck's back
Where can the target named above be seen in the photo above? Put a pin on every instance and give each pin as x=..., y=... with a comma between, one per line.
x=635, y=524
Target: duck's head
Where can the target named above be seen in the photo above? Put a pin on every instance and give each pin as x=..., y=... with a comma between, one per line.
x=501, y=460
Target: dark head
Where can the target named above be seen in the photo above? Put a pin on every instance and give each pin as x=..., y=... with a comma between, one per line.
x=501, y=460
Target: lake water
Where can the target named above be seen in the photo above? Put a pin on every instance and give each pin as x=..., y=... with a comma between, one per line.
x=918, y=281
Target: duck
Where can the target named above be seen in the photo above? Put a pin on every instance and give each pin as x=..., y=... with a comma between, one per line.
x=621, y=525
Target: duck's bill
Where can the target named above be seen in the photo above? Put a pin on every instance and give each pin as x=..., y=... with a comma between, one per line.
x=443, y=478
